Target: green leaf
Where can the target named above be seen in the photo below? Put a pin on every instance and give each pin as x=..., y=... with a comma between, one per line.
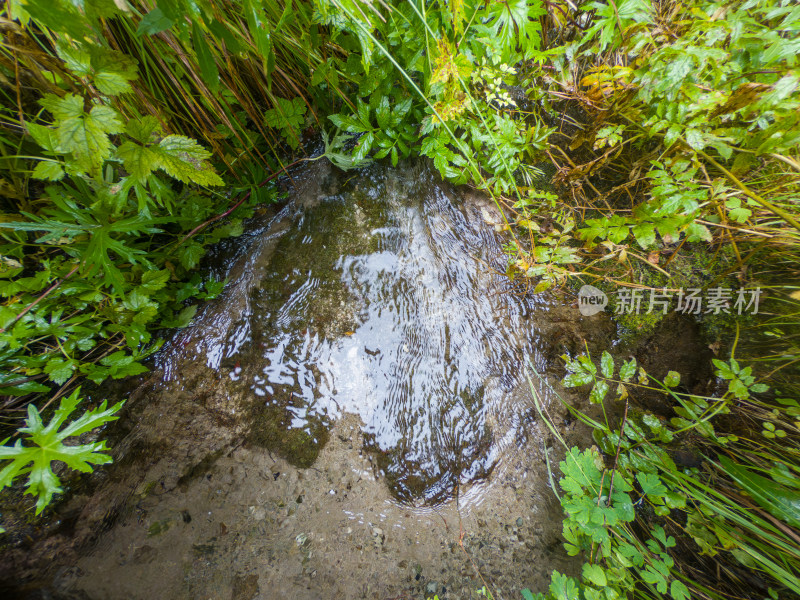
x=645, y=234
x=382, y=113
x=598, y=392
x=23, y=388
x=595, y=574
x=184, y=317
x=627, y=370
x=697, y=232
x=120, y=364
x=144, y=130
x=348, y=123
x=68, y=107
x=152, y=281
x=259, y=30
x=185, y=160
x=76, y=59
x=191, y=254
x=651, y=485
x=59, y=369
x=205, y=58
x=672, y=379
x=48, y=170
x=153, y=22
x=43, y=445
x=576, y=379
x=775, y=498
x=695, y=139
x=288, y=116
x=527, y=594
x=607, y=365
x=679, y=591
x=112, y=71
x=140, y=161
x=46, y=137
x=83, y=135
x=62, y=17
x=563, y=587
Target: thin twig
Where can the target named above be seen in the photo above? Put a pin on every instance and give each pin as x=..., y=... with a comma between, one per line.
x=40, y=298
x=239, y=203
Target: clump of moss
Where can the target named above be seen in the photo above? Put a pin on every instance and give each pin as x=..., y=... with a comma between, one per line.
x=272, y=429
x=694, y=266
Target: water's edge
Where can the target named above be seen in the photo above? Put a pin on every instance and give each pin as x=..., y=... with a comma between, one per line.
x=354, y=404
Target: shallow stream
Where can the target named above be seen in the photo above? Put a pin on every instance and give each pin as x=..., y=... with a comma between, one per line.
x=351, y=418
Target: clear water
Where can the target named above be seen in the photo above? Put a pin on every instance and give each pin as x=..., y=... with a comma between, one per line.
x=377, y=295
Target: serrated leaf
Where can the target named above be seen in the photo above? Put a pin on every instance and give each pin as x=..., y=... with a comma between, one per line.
x=527, y=594
x=43, y=445
x=644, y=234
x=576, y=379
x=191, y=254
x=288, y=116
x=59, y=369
x=382, y=113
x=144, y=129
x=46, y=137
x=76, y=59
x=152, y=281
x=111, y=83
x=695, y=138
x=697, y=232
x=68, y=107
x=153, y=22
x=62, y=17
x=86, y=136
x=627, y=370
x=48, y=170
x=139, y=160
x=185, y=160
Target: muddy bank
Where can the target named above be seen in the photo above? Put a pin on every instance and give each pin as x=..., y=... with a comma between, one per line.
x=350, y=418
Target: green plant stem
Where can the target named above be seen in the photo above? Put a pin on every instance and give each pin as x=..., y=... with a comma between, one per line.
x=751, y=194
